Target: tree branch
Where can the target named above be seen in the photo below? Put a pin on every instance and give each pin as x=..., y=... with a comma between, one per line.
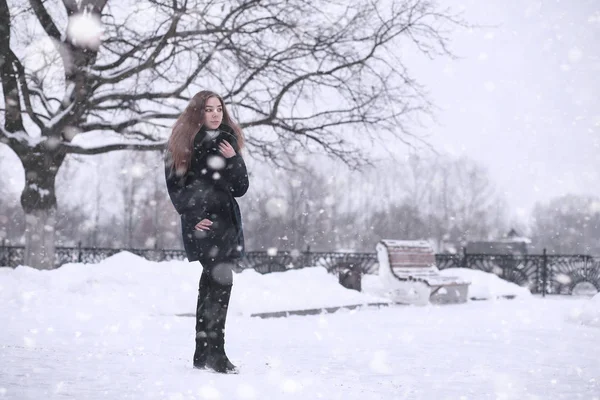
x=72, y=149
x=25, y=90
x=149, y=62
x=122, y=126
x=13, y=121
x=45, y=19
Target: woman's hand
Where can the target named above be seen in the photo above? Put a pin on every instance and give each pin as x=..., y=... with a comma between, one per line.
x=203, y=225
x=226, y=149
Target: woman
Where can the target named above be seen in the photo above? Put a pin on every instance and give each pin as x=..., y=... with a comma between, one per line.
x=205, y=172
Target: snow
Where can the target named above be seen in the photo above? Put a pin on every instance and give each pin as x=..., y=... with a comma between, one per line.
x=575, y=55
x=110, y=330
x=42, y=192
x=299, y=289
x=588, y=313
x=486, y=286
x=516, y=239
x=216, y=162
x=410, y=243
x=85, y=30
x=276, y=207
x=59, y=116
x=22, y=137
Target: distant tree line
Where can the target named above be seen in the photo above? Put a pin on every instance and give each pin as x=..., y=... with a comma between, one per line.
x=449, y=201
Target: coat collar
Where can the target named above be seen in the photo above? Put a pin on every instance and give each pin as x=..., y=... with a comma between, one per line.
x=225, y=132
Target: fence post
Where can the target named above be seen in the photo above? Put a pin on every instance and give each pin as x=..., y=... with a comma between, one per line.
x=307, y=258
x=79, y=252
x=544, y=272
x=161, y=253
x=464, y=258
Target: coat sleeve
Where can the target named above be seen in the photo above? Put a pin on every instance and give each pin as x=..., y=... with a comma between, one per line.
x=236, y=175
x=232, y=177
x=175, y=185
x=182, y=191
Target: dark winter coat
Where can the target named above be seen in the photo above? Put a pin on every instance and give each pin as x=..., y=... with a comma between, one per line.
x=208, y=190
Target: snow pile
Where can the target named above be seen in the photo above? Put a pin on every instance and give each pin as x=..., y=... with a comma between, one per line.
x=126, y=283
x=588, y=314
x=486, y=286
x=299, y=289
x=123, y=283
x=374, y=285
x=130, y=284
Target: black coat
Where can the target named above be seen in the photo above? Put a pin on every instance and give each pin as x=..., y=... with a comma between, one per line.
x=208, y=190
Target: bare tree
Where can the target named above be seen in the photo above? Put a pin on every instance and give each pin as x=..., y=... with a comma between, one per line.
x=473, y=197
x=568, y=224
x=98, y=197
x=304, y=72
x=437, y=198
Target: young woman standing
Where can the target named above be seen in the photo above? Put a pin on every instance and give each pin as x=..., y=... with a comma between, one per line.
x=205, y=172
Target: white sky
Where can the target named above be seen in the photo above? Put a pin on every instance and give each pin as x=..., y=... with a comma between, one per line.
x=523, y=97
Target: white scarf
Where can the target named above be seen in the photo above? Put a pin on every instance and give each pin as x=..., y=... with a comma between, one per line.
x=212, y=134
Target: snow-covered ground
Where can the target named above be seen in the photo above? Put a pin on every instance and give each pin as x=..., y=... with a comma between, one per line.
x=110, y=330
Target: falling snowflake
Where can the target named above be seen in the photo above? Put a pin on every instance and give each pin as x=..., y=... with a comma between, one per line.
x=276, y=207
x=85, y=30
x=490, y=86
x=216, y=162
x=137, y=170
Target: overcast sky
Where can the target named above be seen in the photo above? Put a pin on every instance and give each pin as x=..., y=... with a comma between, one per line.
x=524, y=99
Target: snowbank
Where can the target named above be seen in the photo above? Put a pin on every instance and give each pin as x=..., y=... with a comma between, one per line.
x=126, y=283
x=130, y=284
x=588, y=314
x=486, y=286
x=299, y=289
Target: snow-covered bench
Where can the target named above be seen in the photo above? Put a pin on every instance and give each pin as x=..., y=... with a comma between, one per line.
x=408, y=272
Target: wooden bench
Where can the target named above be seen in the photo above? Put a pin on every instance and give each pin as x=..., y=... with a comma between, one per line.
x=408, y=271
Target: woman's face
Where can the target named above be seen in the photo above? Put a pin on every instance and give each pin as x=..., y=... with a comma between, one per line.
x=213, y=113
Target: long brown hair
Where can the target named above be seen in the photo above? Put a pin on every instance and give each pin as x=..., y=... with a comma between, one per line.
x=181, y=141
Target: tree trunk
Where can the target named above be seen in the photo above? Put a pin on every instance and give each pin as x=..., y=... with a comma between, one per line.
x=39, y=238
x=39, y=203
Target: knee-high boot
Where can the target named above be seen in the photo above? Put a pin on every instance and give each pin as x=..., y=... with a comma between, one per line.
x=201, y=352
x=220, y=283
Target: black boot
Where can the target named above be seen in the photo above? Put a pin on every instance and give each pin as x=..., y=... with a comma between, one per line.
x=217, y=359
x=221, y=364
x=217, y=316
x=201, y=352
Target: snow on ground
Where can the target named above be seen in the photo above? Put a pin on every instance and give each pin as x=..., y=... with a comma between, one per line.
x=293, y=290
x=588, y=313
x=109, y=330
x=486, y=286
